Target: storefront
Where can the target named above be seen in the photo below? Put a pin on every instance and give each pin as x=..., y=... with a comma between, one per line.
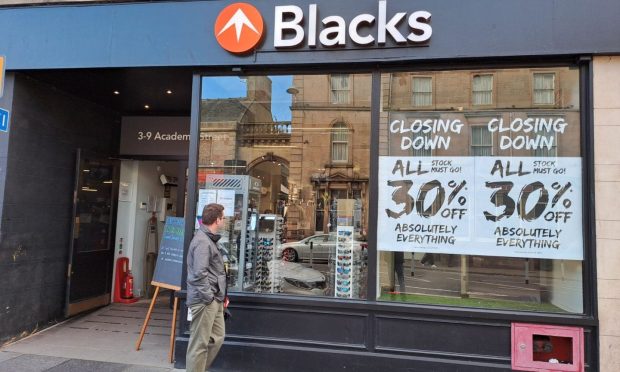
x=408, y=186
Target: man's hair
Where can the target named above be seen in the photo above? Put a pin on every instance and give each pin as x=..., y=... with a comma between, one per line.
x=211, y=213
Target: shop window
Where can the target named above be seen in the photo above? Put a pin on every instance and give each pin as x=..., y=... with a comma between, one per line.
x=544, y=88
x=294, y=187
x=340, y=85
x=481, y=141
x=422, y=91
x=482, y=90
x=471, y=222
x=340, y=143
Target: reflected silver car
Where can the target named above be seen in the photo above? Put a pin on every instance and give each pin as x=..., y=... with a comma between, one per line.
x=317, y=247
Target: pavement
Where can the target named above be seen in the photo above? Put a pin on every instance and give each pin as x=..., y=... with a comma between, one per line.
x=103, y=340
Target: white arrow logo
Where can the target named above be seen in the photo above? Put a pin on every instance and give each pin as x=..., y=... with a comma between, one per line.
x=238, y=20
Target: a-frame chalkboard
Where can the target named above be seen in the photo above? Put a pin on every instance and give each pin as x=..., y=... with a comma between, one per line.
x=169, y=266
x=168, y=271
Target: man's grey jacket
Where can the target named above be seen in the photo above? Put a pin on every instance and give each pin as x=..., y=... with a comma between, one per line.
x=206, y=276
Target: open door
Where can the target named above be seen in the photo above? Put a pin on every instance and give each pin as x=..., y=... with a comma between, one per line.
x=91, y=250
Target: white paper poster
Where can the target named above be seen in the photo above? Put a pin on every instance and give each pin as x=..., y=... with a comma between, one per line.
x=490, y=206
x=227, y=199
x=204, y=197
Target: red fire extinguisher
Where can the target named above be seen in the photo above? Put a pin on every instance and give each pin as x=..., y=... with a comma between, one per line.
x=127, y=291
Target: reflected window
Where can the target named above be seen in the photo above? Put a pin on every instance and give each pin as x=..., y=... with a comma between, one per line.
x=340, y=143
x=544, y=88
x=482, y=90
x=340, y=85
x=549, y=147
x=481, y=141
x=422, y=91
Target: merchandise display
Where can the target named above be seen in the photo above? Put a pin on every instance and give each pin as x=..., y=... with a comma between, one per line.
x=240, y=195
x=266, y=274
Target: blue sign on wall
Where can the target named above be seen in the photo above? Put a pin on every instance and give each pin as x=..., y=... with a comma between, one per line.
x=4, y=120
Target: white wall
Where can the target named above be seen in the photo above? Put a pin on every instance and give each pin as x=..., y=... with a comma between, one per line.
x=125, y=221
x=143, y=180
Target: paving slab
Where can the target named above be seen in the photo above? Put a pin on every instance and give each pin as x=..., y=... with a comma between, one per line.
x=106, y=335
x=6, y=355
x=30, y=363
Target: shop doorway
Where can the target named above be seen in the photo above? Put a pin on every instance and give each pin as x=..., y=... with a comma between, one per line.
x=120, y=208
x=149, y=191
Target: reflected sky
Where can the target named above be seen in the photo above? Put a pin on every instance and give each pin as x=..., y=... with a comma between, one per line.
x=235, y=87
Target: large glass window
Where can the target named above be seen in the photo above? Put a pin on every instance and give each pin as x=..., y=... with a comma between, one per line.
x=481, y=206
x=292, y=171
x=479, y=193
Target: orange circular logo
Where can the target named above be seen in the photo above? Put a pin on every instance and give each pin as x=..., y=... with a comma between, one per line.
x=239, y=27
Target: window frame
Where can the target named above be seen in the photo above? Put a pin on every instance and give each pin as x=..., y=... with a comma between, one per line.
x=473, y=92
x=349, y=90
x=554, y=90
x=584, y=65
x=431, y=92
x=471, y=140
x=342, y=127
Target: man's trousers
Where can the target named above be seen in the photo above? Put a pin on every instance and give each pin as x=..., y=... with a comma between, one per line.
x=206, y=337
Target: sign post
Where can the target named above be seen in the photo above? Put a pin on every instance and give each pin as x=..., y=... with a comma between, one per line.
x=168, y=272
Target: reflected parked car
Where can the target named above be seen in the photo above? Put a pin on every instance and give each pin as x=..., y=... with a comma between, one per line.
x=294, y=278
x=319, y=247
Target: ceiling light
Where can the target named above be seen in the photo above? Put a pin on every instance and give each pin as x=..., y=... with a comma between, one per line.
x=168, y=91
x=116, y=92
x=146, y=107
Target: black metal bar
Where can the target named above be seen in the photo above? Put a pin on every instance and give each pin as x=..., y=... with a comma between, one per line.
x=373, y=196
x=589, y=277
x=192, y=184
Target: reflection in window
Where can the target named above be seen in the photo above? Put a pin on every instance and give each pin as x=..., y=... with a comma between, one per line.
x=340, y=143
x=422, y=151
x=482, y=90
x=457, y=272
x=547, y=151
x=340, y=89
x=296, y=186
x=544, y=88
x=481, y=141
x=422, y=91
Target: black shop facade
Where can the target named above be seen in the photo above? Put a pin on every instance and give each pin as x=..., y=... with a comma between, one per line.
x=407, y=186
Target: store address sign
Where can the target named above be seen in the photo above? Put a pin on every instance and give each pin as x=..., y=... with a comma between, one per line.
x=239, y=28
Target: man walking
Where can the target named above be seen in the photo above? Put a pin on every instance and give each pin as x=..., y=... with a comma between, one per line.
x=206, y=287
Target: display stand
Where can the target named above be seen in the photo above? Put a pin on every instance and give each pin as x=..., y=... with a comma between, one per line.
x=148, y=317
